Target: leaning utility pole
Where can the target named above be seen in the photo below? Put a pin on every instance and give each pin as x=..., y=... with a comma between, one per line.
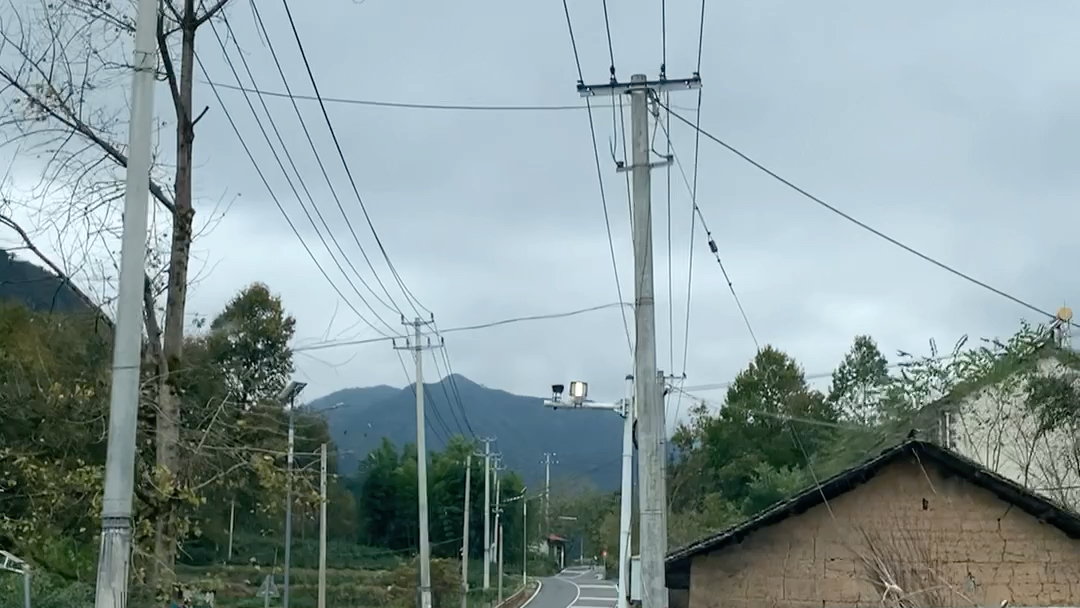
x=465, y=536
x=418, y=348
x=115, y=552
x=647, y=393
x=487, y=512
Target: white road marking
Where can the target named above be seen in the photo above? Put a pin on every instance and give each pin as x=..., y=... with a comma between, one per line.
x=582, y=600
x=539, y=585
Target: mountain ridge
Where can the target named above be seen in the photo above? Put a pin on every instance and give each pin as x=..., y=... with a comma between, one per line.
x=587, y=443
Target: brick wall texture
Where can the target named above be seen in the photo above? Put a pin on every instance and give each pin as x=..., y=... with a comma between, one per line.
x=944, y=542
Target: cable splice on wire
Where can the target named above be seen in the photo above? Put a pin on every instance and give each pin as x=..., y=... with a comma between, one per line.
x=712, y=242
x=867, y=227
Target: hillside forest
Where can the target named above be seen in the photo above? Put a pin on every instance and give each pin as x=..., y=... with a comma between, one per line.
x=233, y=438
x=774, y=434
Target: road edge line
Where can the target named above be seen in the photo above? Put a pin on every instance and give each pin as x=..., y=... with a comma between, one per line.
x=539, y=585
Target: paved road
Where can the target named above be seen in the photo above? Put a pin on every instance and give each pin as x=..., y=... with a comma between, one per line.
x=576, y=588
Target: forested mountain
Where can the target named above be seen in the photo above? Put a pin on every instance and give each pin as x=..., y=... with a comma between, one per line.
x=587, y=443
x=36, y=288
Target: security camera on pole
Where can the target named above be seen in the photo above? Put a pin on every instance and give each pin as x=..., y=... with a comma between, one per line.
x=625, y=408
x=647, y=393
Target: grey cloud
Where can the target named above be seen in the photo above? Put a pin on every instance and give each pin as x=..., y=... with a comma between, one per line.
x=946, y=127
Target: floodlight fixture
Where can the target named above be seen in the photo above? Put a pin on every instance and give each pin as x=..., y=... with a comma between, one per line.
x=578, y=391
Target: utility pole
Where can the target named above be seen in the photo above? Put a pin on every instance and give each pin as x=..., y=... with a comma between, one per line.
x=549, y=459
x=626, y=495
x=465, y=536
x=288, y=396
x=418, y=348
x=115, y=552
x=500, y=562
x=498, y=521
x=524, y=542
x=487, y=512
x=288, y=508
x=647, y=395
x=232, y=513
x=322, y=528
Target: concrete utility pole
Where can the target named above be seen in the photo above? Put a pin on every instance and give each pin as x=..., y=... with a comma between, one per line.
x=524, y=542
x=500, y=537
x=499, y=526
x=418, y=348
x=487, y=512
x=499, y=467
x=322, y=528
x=115, y=553
x=577, y=400
x=549, y=459
x=232, y=514
x=626, y=495
x=496, y=469
x=287, y=396
x=465, y=536
x=647, y=395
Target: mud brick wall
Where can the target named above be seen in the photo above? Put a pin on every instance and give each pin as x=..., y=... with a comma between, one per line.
x=976, y=548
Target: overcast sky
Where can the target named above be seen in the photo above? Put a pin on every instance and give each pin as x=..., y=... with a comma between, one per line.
x=950, y=126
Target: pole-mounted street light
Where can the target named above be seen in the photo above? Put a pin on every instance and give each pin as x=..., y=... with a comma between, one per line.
x=287, y=397
x=578, y=400
x=10, y=563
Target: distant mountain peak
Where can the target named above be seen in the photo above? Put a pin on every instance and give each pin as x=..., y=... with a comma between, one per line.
x=589, y=442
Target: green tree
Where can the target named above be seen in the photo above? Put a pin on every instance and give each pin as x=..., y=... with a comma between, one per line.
x=378, y=500
x=860, y=383
x=250, y=341
x=756, y=427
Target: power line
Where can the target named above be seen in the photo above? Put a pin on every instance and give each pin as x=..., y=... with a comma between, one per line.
x=427, y=421
x=318, y=158
x=814, y=376
x=415, y=106
x=525, y=319
x=863, y=225
x=273, y=196
x=345, y=164
x=296, y=171
x=599, y=169
x=714, y=249
x=454, y=386
x=446, y=394
x=693, y=203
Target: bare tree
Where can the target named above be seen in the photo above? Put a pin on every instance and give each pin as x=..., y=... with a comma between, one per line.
x=60, y=63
